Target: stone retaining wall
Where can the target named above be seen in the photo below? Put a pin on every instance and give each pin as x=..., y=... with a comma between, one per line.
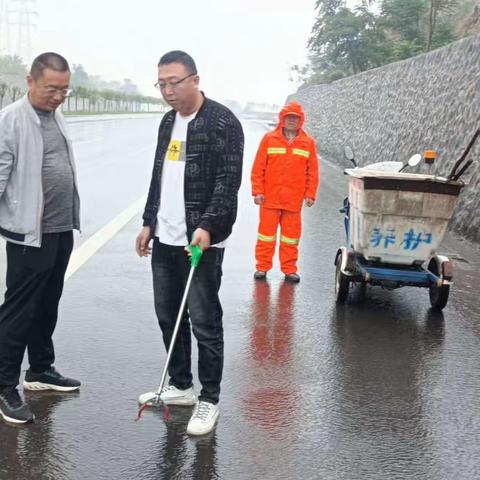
x=428, y=102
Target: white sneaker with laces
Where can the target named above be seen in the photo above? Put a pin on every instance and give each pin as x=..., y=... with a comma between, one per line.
x=170, y=396
x=203, y=419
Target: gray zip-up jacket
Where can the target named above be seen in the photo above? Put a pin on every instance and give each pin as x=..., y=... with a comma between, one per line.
x=21, y=160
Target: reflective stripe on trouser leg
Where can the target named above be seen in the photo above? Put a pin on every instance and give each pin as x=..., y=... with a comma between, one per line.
x=291, y=230
x=267, y=236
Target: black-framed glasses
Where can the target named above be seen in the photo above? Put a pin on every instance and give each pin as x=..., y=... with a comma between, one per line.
x=163, y=85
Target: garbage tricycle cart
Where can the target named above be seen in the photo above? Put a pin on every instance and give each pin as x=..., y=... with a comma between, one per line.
x=395, y=222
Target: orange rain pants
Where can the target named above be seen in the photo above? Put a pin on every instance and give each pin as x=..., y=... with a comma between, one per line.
x=290, y=231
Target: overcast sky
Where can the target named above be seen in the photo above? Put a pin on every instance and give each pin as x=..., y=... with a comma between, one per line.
x=243, y=48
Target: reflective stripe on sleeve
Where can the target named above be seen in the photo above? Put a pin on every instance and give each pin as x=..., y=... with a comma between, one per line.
x=276, y=151
x=303, y=153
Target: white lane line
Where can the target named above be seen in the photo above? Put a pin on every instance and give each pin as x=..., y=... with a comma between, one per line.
x=85, y=251
x=76, y=119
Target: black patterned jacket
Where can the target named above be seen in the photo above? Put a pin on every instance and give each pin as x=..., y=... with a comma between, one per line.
x=213, y=170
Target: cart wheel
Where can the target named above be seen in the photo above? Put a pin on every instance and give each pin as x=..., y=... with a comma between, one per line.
x=342, y=283
x=438, y=295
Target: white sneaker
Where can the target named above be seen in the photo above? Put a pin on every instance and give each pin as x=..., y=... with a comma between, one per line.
x=170, y=396
x=203, y=419
x=149, y=399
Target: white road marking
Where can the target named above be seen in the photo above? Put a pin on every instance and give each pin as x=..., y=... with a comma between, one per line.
x=85, y=251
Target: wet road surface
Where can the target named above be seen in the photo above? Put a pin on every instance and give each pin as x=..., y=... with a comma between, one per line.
x=114, y=162
x=383, y=389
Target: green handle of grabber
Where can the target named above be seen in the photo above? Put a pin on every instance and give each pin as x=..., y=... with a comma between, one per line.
x=196, y=254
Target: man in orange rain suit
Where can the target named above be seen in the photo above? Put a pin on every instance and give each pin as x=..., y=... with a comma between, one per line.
x=284, y=176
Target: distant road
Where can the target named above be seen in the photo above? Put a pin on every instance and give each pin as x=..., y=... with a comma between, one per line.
x=114, y=156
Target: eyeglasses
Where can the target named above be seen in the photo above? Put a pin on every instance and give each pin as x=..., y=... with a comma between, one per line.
x=64, y=92
x=172, y=85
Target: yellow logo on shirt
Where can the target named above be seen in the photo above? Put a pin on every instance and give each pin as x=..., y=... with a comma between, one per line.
x=174, y=150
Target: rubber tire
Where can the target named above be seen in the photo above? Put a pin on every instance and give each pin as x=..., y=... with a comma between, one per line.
x=438, y=295
x=342, y=283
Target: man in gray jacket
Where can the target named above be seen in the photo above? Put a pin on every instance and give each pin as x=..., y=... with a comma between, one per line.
x=39, y=209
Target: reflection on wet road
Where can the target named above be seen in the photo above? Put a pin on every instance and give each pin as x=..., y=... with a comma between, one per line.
x=273, y=400
x=379, y=389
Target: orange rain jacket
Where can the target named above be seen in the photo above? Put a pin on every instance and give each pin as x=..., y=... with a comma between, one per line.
x=286, y=172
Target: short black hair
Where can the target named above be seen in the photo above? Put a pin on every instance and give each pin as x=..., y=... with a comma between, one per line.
x=177, y=56
x=50, y=60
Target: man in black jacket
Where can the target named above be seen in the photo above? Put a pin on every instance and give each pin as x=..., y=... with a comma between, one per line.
x=192, y=199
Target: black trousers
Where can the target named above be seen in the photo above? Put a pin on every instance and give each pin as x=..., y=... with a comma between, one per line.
x=170, y=268
x=28, y=315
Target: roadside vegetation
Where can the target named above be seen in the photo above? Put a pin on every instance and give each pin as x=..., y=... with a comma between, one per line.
x=348, y=40
x=90, y=94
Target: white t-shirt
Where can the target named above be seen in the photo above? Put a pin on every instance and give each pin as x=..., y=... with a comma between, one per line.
x=171, y=225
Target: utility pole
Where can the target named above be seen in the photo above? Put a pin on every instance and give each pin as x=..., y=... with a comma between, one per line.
x=19, y=17
x=3, y=27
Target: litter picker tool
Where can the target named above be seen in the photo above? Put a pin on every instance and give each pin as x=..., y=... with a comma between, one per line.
x=454, y=175
x=195, y=256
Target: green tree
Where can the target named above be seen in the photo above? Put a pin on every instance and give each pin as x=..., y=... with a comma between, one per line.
x=81, y=93
x=444, y=34
x=404, y=19
x=129, y=87
x=3, y=91
x=402, y=49
x=325, y=9
x=13, y=65
x=15, y=93
x=93, y=97
x=346, y=42
x=80, y=77
x=108, y=97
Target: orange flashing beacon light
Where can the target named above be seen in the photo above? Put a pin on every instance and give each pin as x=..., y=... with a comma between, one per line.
x=430, y=156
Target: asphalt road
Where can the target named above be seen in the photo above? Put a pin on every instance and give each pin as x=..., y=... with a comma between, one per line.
x=380, y=389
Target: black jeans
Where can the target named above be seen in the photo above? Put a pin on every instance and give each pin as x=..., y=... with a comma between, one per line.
x=170, y=268
x=28, y=315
